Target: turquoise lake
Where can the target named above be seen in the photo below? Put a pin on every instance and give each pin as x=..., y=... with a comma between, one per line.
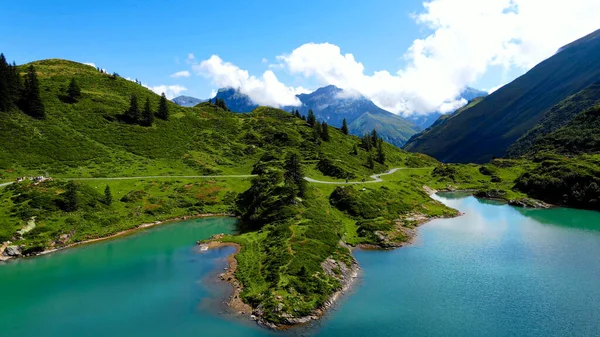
x=495, y=271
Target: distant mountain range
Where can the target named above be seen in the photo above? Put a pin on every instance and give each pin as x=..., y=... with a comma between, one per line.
x=487, y=129
x=332, y=104
x=187, y=101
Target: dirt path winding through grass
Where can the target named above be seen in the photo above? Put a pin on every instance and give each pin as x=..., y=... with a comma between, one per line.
x=376, y=177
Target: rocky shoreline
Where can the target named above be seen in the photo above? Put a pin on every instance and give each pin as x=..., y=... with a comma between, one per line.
x=346, y=276
x=8, y=252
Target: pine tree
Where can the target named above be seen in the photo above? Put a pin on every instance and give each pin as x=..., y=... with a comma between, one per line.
x=325, y=132
x=355, y=150
x=70, y=197
x=344, y=127
x=31, y=100
x=317, y=131
x=15, y=86
x=311, y=119
x=294, y=174
x=73, y=92
x=5, y=99
x=366, y=142
x=374, y=137
x=163, y=108
x=380, y=152
x=303, y=118
x=133, y=113
x=147, y=114
x=107, y=195
x=221, y=104
x=370, y=162
x=297, y=114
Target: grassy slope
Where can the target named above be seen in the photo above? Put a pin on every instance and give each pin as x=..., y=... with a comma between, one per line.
x=555, y=118
x=438, y=124
x=490, y=127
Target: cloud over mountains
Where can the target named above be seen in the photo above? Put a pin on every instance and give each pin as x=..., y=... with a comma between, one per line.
x=466, y=39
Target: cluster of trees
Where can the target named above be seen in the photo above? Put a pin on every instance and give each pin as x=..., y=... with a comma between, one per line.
x=145, y=117
x=370, y=142
x=219, y=103
x=320, y=129
x=25, y=95
x=10, y=84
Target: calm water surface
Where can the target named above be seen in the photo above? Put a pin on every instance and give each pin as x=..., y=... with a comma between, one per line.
x=496, y=271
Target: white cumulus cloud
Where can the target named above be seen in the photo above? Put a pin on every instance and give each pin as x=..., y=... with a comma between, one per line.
x=183, y=73
x=466, y=38
x=264, y=90
x=171, y=91
x=91, y=64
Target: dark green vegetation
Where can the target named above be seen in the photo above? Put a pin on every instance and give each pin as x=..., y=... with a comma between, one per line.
x=565, y=181
x=555, y=118
x=487, y=129
x=579, y=136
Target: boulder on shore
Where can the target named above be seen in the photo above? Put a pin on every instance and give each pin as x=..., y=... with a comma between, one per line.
x=13, y=251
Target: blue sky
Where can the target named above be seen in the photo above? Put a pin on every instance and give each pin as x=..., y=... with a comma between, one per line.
x=150, y=40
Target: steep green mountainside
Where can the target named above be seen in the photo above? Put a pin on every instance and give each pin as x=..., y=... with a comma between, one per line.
x=490, y=127
x=555, y=118
x=580, y=136
x=431, y=131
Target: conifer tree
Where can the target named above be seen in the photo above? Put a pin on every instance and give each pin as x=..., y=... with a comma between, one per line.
x=311, y=119
x=107, y=195
x=14, y=83
x=294, y=173
x=31, y=100
x=380, y=152
x=344, y=127
x=133, y=113
x=73, y=92
x=71, y=200
x=325, y=132
x=10, y=84
x=221, y=104
x=297, y=114
x=355, y=150
x=5, y=99
x=374, y=137
x=163, y=108
x=370, y=162
x=366, y=142
x=317, y=131
x=147, y=114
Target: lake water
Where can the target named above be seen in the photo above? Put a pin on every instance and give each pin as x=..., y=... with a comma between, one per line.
x=496, y=271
